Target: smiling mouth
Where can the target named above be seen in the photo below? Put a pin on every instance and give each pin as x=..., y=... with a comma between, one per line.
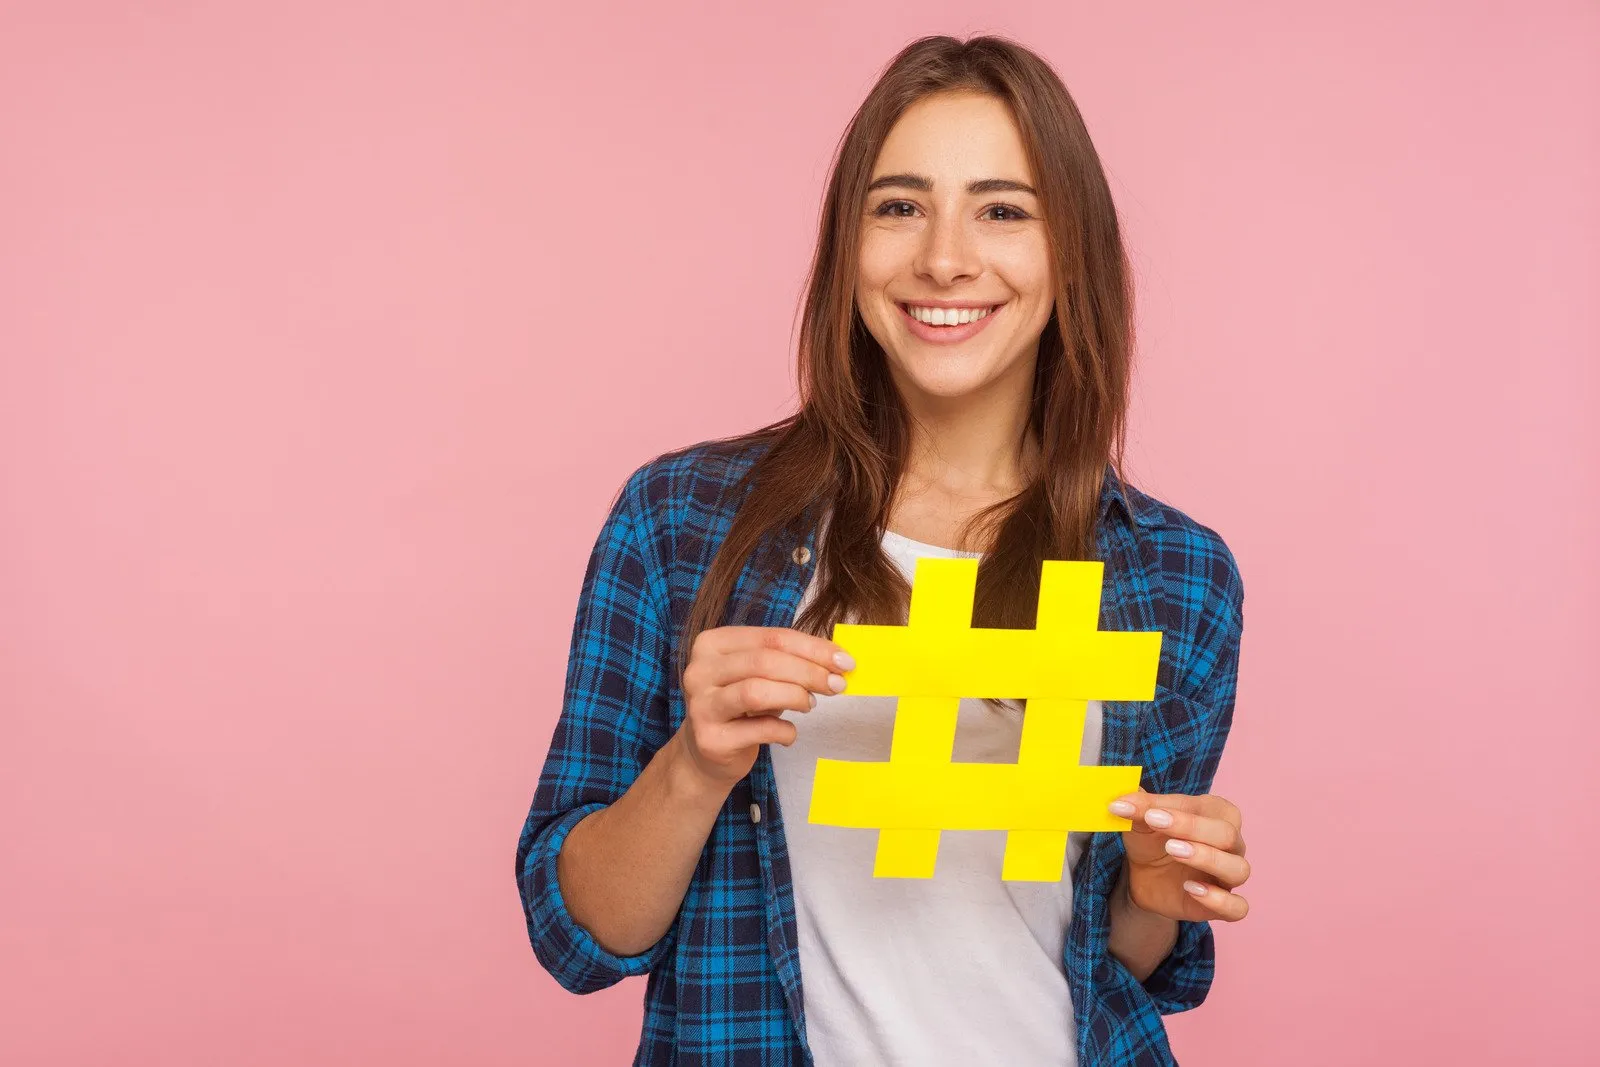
x=934, y=316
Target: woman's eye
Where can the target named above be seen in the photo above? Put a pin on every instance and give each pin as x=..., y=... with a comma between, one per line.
x=1010, y=214
x=905, y=209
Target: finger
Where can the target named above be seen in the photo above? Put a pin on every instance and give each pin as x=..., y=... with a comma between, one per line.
x=1209, y=819
x=1227, y=869
x=1190, y=827
x=758, y=730
x=1207, y=804
x=1229, y=907
x=758, y=696
x=728, y=639
x=776, y=664
x=1133, y=806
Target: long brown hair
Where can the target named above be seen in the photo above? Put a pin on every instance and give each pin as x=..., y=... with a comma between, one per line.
x=844, y=450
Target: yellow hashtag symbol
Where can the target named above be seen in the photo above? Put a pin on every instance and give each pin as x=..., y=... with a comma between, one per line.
x=940, y=657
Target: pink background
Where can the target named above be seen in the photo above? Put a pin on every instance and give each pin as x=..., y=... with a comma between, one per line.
x=329, y=330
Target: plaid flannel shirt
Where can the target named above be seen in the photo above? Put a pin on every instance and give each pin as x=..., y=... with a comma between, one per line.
x=724, y=982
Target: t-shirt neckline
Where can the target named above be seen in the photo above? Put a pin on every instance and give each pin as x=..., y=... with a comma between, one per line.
x=926, y=548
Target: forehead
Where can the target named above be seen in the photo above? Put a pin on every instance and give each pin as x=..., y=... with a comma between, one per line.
x=955, y=138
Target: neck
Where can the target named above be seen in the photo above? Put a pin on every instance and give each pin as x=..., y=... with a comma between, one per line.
x=979, y=445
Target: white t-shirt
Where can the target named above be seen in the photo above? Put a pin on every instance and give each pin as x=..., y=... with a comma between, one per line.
x=961, y=968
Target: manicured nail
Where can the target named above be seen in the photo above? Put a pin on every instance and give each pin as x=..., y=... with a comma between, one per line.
x=1196, y=888
x=1123, y=808
x=836, y=683
x=813, y=698
x=1180, y=848
x=1158, y=818
x=844, y=661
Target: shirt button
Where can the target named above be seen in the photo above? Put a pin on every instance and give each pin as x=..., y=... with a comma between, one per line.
x=801, y=555
x=755, y=813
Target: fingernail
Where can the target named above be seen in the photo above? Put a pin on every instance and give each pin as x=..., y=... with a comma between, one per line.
x=836, y=683
x=813, y=698
x=844, y=661
x=1158, y=818
x=1196, y=888
x=1123, y=808
x=1180, y=848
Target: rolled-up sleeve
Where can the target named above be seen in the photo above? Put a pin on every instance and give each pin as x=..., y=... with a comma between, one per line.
x=613, y=719
x=1216, y=593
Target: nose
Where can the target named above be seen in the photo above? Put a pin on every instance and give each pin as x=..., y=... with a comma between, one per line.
x=947, y=255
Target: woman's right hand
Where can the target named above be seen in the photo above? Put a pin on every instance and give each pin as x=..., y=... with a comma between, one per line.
x=738, y=681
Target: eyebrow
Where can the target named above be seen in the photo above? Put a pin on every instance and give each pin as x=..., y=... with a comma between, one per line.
x=925, y=185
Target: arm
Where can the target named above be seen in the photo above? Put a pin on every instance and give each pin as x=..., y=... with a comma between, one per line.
x=1139, y=939
x=624, y=808
x=614, y=718
x=625, y=868
x=1173, y=957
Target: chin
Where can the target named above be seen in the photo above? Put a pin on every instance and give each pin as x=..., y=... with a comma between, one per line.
x=946, y=386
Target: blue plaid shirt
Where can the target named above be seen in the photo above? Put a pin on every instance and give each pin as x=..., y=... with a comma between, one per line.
x=724, y=983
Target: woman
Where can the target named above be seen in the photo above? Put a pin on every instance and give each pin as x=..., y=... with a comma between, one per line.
x=964, y=363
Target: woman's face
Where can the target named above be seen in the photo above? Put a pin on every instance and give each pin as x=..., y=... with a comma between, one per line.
x=955, y=278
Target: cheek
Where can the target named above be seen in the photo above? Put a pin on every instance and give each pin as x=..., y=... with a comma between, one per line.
x=886, y=254
x=1026, y=269
x=875, y=267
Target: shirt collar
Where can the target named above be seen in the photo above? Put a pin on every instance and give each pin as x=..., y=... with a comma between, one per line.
x=1138, y=507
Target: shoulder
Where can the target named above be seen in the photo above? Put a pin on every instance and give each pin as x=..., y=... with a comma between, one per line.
x=690, y=486
x=677, y=508
x=1186, y=548
x=1198, y=574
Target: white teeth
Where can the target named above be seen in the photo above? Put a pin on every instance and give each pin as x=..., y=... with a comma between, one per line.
x=946, y=316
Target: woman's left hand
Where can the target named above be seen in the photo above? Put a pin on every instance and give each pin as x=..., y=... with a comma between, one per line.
x=1185, y=856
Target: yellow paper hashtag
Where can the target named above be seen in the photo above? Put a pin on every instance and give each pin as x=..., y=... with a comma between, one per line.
x=930, y=664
